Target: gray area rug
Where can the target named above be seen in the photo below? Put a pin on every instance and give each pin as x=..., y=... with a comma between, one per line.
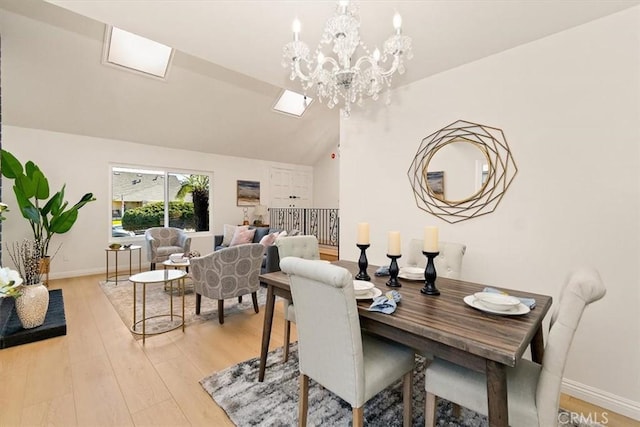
x=274, y=402
x=121, y=297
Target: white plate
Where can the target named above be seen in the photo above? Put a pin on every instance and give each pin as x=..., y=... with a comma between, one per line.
x=496, y=301
x=518, y=310
x=412, y=271
x=371, y=294
x=411, y=277
x=362, y=287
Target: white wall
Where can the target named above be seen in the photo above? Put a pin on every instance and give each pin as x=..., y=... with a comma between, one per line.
x=326, y=179
x=569, y=106
x=83, y=163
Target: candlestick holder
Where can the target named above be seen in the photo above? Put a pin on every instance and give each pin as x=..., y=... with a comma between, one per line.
x=393, y=272
x=430, y=275
x=363, y=263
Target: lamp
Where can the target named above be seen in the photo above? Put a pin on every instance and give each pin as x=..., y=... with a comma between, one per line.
x=259, y=212
x=342, y=78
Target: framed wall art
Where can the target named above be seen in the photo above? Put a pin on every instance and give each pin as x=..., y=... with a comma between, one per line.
x=248, y=193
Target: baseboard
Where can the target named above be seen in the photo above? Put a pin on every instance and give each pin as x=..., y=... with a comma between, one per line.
x=90, y=272
x=601, y=398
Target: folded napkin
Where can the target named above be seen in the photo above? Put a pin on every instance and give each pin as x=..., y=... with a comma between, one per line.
x=382, y=271
x=386, y=303
x=529, y=302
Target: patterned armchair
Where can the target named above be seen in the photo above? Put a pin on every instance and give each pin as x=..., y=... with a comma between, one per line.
x=228, y=273
x=164, y=241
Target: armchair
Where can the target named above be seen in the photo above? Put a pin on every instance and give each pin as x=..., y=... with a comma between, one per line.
x=164, y=241
x=227, y=273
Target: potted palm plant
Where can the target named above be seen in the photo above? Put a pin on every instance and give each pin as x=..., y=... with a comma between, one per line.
x=47, y=215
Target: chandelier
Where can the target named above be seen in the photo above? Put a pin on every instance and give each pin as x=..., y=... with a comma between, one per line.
x=346, y=78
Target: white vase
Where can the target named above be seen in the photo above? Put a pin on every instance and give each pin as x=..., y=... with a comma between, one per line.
x=32, y=305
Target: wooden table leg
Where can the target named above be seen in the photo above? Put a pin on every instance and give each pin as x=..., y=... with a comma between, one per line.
x=537, y=346
x=266, y=330
x=497, y=394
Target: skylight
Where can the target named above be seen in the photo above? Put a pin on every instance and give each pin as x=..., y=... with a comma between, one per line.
x=292, y=103
x=137, y=53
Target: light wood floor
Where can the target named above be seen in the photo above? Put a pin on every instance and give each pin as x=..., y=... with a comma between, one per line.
x=98, y=374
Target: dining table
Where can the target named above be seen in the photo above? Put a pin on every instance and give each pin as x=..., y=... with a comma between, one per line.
x=443, y=326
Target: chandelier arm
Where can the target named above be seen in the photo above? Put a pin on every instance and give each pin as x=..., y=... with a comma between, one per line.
x=312, y=75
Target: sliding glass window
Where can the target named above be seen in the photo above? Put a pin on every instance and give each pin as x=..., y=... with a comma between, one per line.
x=144, y=198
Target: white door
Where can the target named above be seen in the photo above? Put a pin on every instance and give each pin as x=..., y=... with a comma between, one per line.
x=290, y=188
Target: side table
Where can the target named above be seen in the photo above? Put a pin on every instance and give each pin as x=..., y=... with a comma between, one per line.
x=156, y=276
x=130, y=249
x=183, y=265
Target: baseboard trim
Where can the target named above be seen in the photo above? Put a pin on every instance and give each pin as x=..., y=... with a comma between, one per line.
x=92, y=271
x=601, y=398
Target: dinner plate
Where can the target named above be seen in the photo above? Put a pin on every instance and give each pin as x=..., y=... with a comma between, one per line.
x=518, y=310
x=371, y=294
x=412, y=271
x=411, y=277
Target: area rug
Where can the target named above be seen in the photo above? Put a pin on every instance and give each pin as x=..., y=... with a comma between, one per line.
x=121, y=297
x=274, y=402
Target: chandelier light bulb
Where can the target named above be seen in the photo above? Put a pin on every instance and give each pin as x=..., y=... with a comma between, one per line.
x=397, y=22
x=376, y=55
x=296, y=28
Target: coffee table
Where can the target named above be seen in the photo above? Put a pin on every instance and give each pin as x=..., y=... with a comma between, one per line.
x=166, y=277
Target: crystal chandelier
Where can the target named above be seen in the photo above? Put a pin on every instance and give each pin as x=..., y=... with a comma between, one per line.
x=346, y=78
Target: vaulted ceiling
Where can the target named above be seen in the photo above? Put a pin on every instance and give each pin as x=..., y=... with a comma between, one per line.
x=227, y=68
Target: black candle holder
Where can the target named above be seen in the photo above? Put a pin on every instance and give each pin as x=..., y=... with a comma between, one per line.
x=430, y=275
x=363, y=263
x=393, y=272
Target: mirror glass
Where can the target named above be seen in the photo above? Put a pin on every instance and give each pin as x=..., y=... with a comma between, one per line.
x=457, y=171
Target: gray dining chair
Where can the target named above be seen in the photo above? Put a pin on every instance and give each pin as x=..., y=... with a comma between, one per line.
x=533, y=390
x=448, y=263
x=332, y=349
x=303, y=246
x=227, y=273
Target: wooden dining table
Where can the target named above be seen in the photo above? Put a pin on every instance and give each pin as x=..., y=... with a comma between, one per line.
x=444, y=326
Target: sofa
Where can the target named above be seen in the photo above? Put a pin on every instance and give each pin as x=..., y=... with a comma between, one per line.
x=271, y=261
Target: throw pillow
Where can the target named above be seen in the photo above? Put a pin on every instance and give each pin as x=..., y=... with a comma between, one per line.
x=242, y=236
x=282, y=234
x=229, y=230
x=294, y=232
x=269, y=239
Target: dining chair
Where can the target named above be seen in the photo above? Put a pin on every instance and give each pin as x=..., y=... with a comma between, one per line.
x=533, y=390
x=302, y=246
x=448, y=263
x=161, y=242
x=333, y=350
x=227, y=273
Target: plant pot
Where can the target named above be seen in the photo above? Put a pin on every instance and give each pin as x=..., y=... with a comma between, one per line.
x=45, y=266
x=32, y=305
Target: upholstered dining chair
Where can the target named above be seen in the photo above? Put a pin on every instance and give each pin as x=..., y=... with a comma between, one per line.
x=448, y=263
x=227, y=273
x=303, y=246
x=332, y=349
x=164, y=241
x=533, y=390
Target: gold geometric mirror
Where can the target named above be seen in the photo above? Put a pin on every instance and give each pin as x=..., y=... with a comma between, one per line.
x=462, y=171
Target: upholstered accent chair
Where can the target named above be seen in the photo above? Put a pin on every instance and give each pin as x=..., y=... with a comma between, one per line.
x=164, y=241
x=305, y=247
x=332, y=349
x=448, y=263
x=533, y=389
x=228, y=273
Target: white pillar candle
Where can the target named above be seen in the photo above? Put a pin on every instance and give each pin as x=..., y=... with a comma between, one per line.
x=394, y=243
x=363, y=233
x=430, y=239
